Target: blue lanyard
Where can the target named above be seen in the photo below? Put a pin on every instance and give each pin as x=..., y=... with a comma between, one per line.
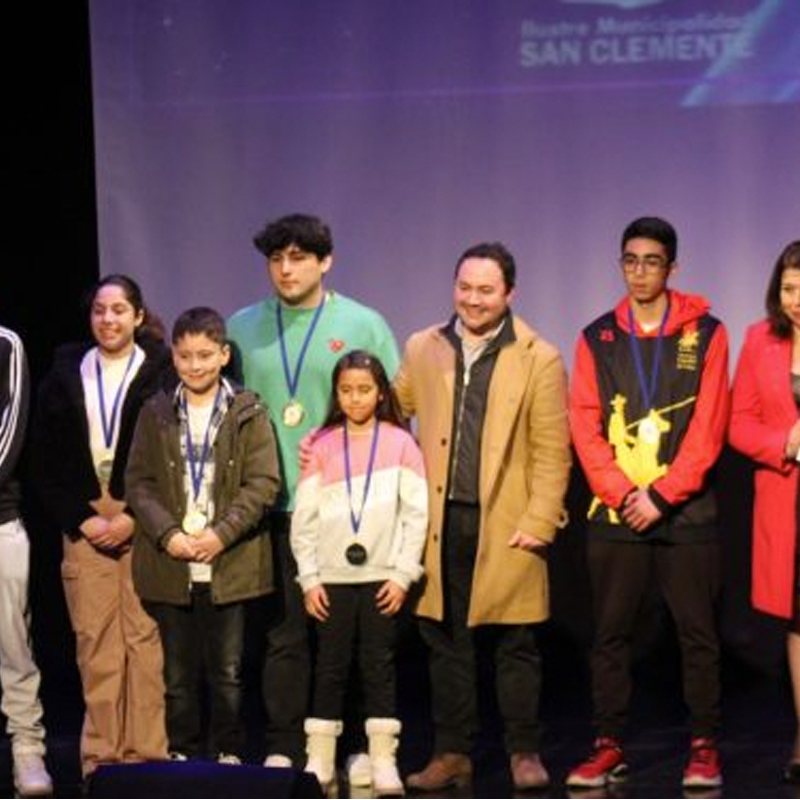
x=198, y=466
x=355, y=521
x=648, y=390
x=293, y=380
x=110, y=425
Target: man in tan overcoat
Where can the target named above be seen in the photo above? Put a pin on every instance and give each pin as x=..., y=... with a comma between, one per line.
x=489, y=395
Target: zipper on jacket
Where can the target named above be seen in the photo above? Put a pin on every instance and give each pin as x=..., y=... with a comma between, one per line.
x=457, y=436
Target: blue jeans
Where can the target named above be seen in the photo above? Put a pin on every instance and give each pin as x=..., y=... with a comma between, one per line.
x=202, y=642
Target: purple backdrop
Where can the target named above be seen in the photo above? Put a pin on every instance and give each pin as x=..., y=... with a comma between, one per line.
x=419, y=127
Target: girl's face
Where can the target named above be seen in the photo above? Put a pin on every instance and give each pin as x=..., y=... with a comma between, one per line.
x=114, y=320
x=358, y=396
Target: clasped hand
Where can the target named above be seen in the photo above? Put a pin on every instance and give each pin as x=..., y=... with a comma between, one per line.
x=203, y=548
x=638, y=511
x=110, y=528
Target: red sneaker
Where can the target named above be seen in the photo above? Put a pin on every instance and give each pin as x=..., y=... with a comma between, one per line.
x=703, y=769
x=606, y=764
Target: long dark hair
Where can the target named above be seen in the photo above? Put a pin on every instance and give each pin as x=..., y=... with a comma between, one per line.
x=779, y=323
x=387, y=409
x=152, y=328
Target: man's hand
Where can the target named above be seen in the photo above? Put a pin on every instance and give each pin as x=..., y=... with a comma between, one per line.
x=524, y=541
x=304, y=448
x=638, y=511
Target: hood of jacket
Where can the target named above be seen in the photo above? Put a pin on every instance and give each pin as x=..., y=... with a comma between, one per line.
x=683, y=309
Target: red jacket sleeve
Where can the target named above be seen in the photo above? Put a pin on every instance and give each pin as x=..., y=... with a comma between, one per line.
x=705, y=435
x=755, y=430
x=595, y=453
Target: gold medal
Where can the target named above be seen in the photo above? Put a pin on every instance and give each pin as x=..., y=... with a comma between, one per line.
x=194, y=522
x=104, y=469
x=293, y=414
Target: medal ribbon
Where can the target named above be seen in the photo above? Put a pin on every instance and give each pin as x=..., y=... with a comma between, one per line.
x=110, y=425
x=355, y=521
x=198, y=466
x=648, y=389
x=293, y=380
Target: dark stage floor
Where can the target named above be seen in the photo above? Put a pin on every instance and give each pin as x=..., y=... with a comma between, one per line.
x=758, y=730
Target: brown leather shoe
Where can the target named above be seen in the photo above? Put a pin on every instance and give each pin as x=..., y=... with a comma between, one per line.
x=442, y=771
x=528, y=772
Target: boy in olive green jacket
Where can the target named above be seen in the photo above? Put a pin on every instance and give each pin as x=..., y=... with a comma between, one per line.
x=202, y=472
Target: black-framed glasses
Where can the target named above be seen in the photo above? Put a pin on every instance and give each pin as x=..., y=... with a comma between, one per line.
x=651, y=262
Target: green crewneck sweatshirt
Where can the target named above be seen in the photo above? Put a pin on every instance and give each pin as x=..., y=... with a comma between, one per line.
x=343, y=325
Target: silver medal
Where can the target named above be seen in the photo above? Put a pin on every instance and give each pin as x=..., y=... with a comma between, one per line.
x=648, y=431
x=194, y=522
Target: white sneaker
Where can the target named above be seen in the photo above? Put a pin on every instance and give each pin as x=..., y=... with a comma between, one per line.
x=359, y=770
x=278, y=760
x=229, y=758
x=31, y=778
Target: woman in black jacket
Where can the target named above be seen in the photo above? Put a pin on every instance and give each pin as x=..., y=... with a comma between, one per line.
x=86, y=415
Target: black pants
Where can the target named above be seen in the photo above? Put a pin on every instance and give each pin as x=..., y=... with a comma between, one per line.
x=688, y=577
x=287, y=667
x=453, y=648
x=202, y=643
x=355, y=628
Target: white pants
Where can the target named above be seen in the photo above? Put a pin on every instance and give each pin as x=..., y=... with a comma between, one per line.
x=19, y=675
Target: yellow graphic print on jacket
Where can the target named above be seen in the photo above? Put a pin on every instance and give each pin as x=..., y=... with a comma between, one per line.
x=636, y=455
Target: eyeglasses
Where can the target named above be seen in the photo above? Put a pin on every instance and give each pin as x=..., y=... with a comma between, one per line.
x=649, y=263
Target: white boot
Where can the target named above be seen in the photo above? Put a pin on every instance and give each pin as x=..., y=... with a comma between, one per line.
x=321, y=735
x=383, y=734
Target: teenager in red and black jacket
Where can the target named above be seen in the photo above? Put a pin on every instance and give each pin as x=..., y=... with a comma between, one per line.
x=648, y=413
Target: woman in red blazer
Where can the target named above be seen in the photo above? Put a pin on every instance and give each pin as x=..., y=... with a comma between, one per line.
x=765, y=425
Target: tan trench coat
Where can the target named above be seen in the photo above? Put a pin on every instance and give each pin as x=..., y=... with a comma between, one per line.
x=525, y=464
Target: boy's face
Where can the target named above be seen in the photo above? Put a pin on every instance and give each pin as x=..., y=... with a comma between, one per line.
x=646, y=269
x=297, y=276
x=199, y=361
